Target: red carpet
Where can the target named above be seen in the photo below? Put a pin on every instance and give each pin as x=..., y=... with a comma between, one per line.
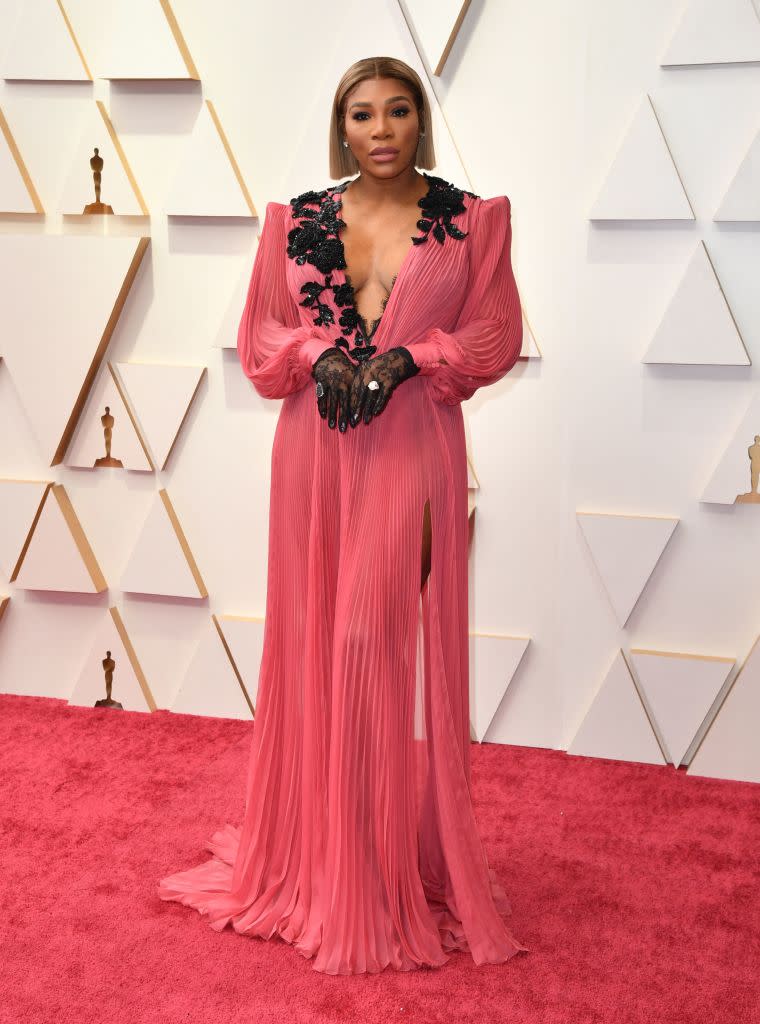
x=637, y=889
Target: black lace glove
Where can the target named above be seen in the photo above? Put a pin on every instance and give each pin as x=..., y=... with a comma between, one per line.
x=388, y=369
x=333, y=371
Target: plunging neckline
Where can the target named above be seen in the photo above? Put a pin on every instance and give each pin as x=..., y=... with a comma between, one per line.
x=338, y=202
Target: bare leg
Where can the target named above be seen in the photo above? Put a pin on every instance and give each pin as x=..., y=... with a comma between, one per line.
x=426, y=542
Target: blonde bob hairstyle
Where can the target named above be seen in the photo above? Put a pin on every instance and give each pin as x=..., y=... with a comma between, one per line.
x=342, y=160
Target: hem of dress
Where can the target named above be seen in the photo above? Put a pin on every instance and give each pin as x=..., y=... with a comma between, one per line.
x=207, y=887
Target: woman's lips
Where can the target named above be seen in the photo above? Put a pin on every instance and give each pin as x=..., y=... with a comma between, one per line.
x=384, y=157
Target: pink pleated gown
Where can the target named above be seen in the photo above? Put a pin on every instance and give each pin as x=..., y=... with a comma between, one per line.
x=359, y=844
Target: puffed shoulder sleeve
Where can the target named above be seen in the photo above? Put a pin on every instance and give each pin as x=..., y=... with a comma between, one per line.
x=275, y=350
x=487, y=339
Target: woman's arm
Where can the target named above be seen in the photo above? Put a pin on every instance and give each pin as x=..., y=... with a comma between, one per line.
x=487, y=339
x=275, y=351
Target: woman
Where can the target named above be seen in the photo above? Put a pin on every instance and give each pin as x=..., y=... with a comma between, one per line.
x=359, y=844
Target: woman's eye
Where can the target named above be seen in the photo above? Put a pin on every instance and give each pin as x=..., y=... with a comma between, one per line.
x=360, y=114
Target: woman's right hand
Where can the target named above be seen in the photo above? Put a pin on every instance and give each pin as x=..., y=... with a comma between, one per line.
x=333, y=371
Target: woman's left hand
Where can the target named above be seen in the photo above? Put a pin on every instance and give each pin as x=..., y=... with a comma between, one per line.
x=375, y=380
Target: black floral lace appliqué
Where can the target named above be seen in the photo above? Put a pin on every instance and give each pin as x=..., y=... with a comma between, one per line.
x=316, y=240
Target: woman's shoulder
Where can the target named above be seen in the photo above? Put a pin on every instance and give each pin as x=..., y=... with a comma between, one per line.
x=446, y=193
x=499, y=203
x=311, y=198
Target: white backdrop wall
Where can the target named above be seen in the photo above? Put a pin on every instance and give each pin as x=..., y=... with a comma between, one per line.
x=533, y=103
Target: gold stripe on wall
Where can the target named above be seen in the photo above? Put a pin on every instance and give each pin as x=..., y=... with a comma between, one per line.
x=133, y=660
x=231, y=158
x=174, y=520
x=179, y=39
x=80, y=538
x=121, y=298
x=16, y=154
x=74, y=39
x=122, y=156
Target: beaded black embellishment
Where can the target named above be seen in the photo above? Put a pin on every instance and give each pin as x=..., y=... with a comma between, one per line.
x=316, y=240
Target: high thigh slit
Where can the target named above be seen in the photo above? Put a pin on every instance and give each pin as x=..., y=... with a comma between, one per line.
x=359, y=843
x=427, y=540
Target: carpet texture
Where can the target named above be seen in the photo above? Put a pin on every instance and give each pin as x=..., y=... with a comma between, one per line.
x=636, y=888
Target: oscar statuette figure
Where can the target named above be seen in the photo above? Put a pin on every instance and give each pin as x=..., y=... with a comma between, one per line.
x=108, y=421
x=96, y=163
x=108, y=667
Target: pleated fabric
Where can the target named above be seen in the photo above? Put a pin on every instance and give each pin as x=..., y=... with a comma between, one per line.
x=359, y=844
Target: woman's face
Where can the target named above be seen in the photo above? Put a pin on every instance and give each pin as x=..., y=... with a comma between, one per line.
x=380, y=114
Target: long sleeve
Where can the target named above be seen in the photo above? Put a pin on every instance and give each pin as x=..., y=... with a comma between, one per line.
x=487, y=338
x=275, y=350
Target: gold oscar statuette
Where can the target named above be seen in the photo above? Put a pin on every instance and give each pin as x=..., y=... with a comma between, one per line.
x=108, y=667
x=108, y=421
x=752, y=497
x=96, y=163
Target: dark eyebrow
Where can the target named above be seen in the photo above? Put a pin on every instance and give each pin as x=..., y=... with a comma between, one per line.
x=391, y=99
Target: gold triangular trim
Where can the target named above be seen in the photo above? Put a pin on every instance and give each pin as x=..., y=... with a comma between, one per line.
x=235, y=669
x=125, y=403
x=231, y=158
x=80, y=538
x=32, y=525
x=192, y=565
x=133, y=659
x=74, y=39
x=121, y=298
x=22, y=169
x=122, y=156
x=179, y=39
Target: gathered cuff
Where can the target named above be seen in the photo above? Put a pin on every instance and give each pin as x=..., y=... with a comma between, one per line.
x=426, y=354
x=310, y=351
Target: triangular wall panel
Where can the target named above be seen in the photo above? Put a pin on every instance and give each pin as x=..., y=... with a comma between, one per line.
x=43, y=47
x=162, y=562
x=21, y=503
x=715, y=32
x=208, y=182
x=436, y=26
x=119, y=188
x=243, y=637
x=736, y=478
x=494, y=660
x=211, y=685
x=128, y=685
x=530, y=349
x=678, y=691
x=105, y=411
x=698, y=326
x=625, y=550
x=616, y=725
x=472, y=479
x=729, y=748
x=17, y=191
x=59, y=556
x=228, y=329
x=742, y=200
x=643, y=181
x=160, y=396
x=145, y=42
x=53, y=341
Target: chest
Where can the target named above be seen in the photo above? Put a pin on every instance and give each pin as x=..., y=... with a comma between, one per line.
x=375, y=246
x=415, y=264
